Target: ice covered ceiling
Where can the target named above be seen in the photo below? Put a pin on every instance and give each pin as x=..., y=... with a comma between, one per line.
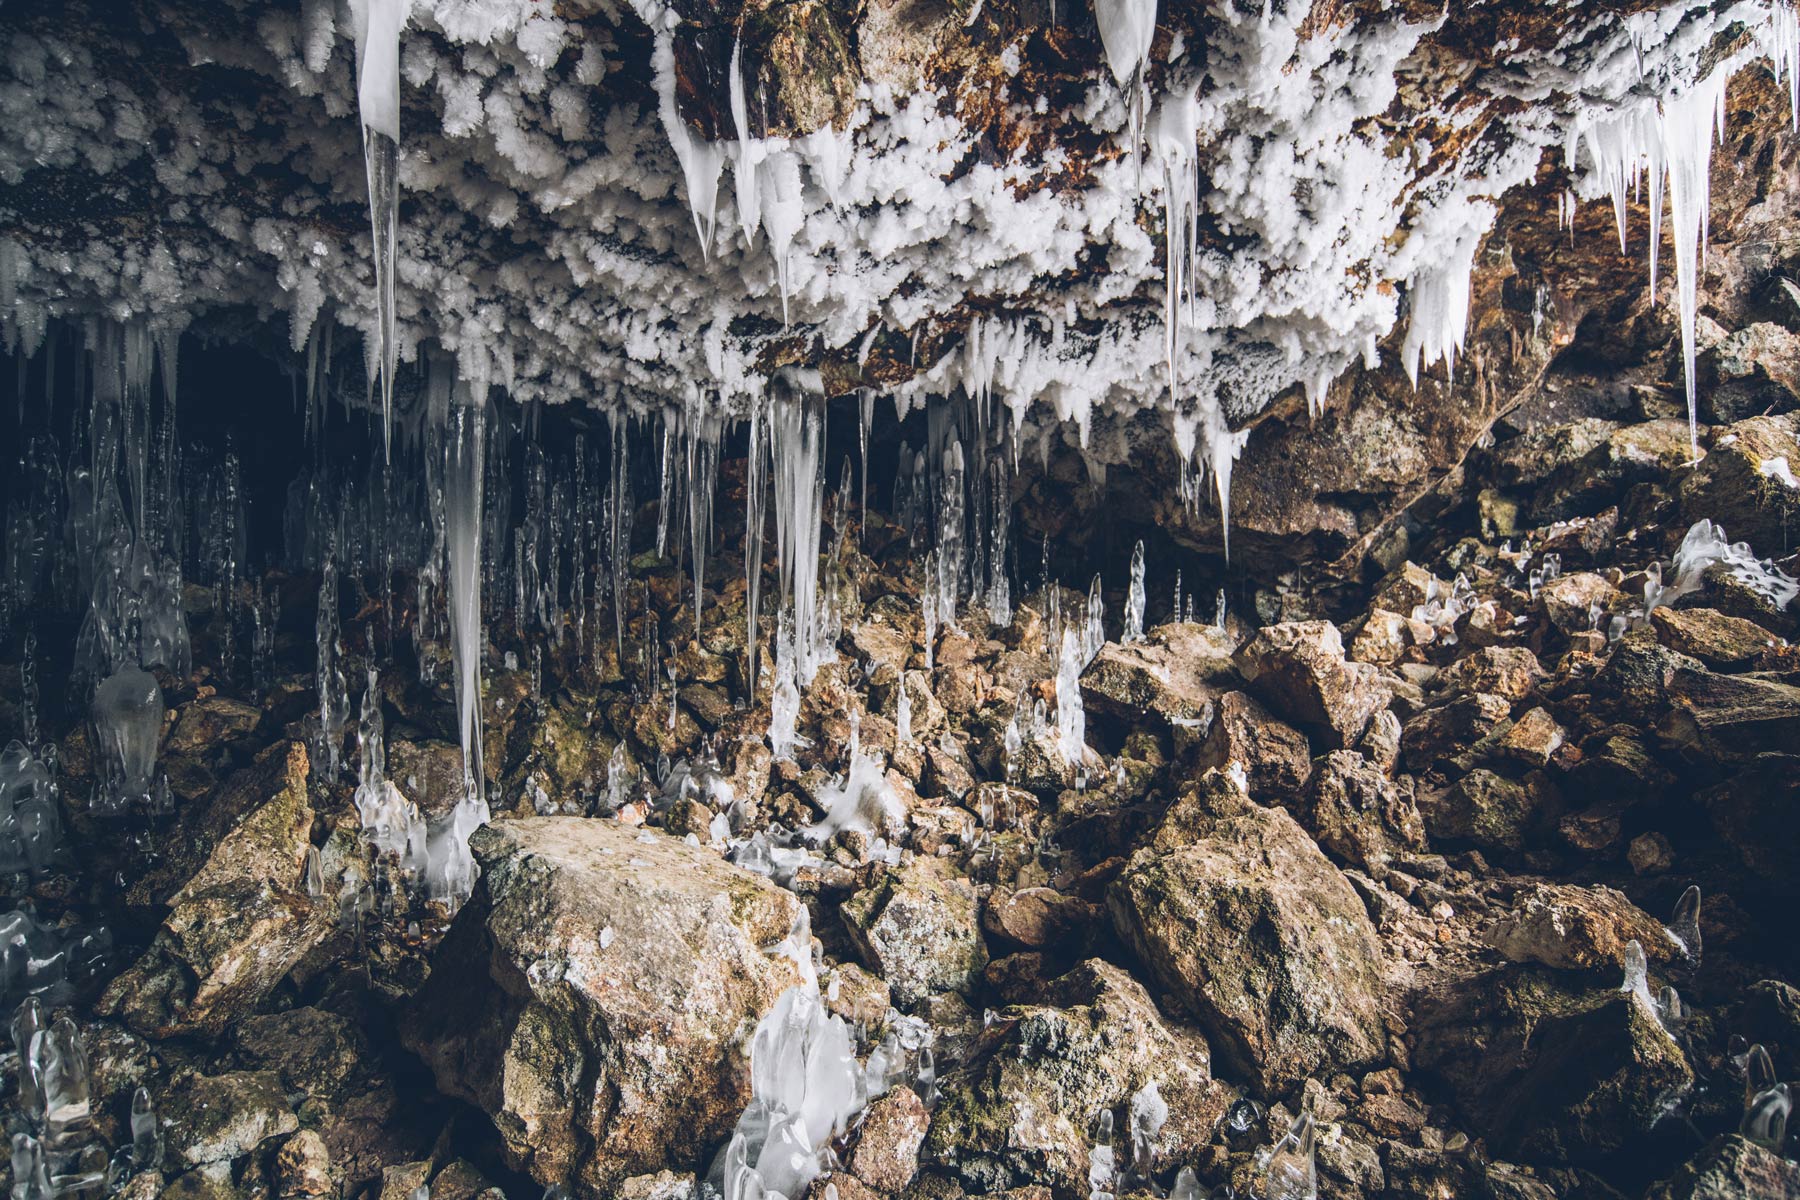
x=1191, y=206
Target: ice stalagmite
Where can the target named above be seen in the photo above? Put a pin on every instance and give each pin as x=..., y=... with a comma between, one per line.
x=378, y=23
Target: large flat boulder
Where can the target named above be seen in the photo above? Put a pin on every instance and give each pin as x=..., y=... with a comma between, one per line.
x=596, y=995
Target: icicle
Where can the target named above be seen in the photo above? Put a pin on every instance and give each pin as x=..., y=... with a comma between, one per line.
x=701, y=160
x=754, y=518
x=1439, y=299
x=378, y=102
x=1689, y=125
x=465, y=451
x=797, y=443
x=1071, y=721
x=1127, y=27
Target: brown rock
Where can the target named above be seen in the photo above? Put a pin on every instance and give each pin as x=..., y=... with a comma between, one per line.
x=303, y=1167
x=1275, y=756
x=598, y=1054
x=1265, y=942
x=1509, y=671
x=1299, y=669
x=1531, y=740
x=1036, y=917
x=887, y=1150
x=1577, y=929
x=1571, y=601
x=1721, y=642
x=918, y=928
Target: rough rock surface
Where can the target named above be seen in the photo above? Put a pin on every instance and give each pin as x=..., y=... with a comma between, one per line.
x=1264, y=942
x=594, y=995
x=919, y=928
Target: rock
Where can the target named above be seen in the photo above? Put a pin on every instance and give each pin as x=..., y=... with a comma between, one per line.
x=1753, y=813
x=1481, y=808
x=1749, y=372
x=918, y=928
x=1509, y=671
x=1746, y=483
x=1729, y=718
x=220, y=1118
x=1572, y=601
x=1265, y=942
x=1446, y=731
x=303, y=1167
x=1629, y=454
x=1721, y=642
x=1020, y=1112
x=1650, y=854
x=886, y=1156
x=1770, y=1014
x=1577, y=929
x=210, y=724
x=1731, y=1168
x=401, y=1180
x=1174, y=674
x=1275, y=756
x=461, y=1180
x=1533, y=457
x=1359, y=814
x=1383, y=638
x=855, y=995
x=1530, y=740
x=663, y=1185
x=314, y=1051
x=601, y=1061
x=239, y=925
x=1544, y=1073
x=1299, y=669
x=1036, y=917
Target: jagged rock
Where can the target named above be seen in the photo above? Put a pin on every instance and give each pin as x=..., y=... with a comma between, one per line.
x=1748, y=372
x=316, y=1052
x=1533, y=457
x=303, y=1167
x=210, y=723
x=239, y=925
x=1443, y=732
x=1650, y=854
x=1509, y=671
x=1264, y=941
x=1482, y=808
x=1732, y=1169
x=855, y=995
x=220, y=1118
x=1359, y=814
x=918, y=928
x=1383, y=638
x=1299, y=669
x=1530, y=740
x=1274, y=755
x=1742, y=486
x=401, y=1180
x=598, y=1054
x=887, y=1147
x=662, y=1185
x=1571, y=601
x=1577, y=929
x=1729, y=718
x=1629, y=454
x=1547, y=1074
x=1721, y=642
x=462, y=1181
x=1019, y=1113
x=1175, y=673
x=1770, y=1014
x=1753, y=814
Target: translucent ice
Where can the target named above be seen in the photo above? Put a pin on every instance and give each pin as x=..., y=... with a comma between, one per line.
x=1291, y=1171
x=127, y=714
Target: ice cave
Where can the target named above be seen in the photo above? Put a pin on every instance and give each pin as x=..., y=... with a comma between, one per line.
x=900, y=599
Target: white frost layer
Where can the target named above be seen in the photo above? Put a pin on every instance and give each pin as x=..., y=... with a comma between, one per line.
x=548, y=244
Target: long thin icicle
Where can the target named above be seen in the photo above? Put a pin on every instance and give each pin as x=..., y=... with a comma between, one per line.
x=378, y=104
x=464, y=457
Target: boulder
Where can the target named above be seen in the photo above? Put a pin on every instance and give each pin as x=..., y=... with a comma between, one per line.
x=1746, y=483
x=1729, y=718
x=1299, y=669
x=1721, y=642
x=1020, y=1112
x=1509, y=671
x=1545, y=1073
x=1749, y=371
x=1173, y=674
x=1253, y=931
x=918, y=927
x=1275, y=756
x=1731, y=1168
x=1578, y=929
x=595, y=994
x=1481, y=808
x=239, y=925
x=1359, y=814
x=887, y=1147
x=219, y=1118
